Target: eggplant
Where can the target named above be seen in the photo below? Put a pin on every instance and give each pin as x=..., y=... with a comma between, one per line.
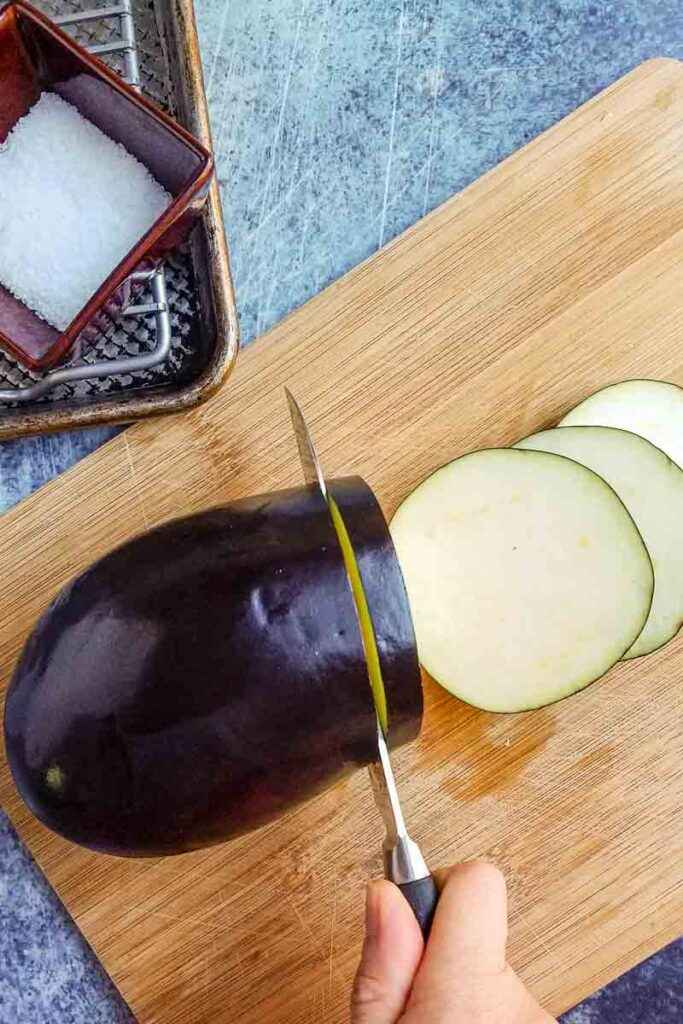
x=651, y=487
x=385, y=596
x=527, y=577
x=210, y=674
x=651, y=408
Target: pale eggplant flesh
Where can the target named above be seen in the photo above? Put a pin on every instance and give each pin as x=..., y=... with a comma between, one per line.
x=209, y=675
x=527, y=577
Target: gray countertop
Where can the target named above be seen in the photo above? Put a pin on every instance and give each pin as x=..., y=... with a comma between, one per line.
x=337, y=124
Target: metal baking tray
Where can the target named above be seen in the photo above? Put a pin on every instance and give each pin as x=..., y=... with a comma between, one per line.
x=179, y=342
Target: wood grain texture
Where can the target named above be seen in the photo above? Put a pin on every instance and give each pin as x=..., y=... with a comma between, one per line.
x=558, y=272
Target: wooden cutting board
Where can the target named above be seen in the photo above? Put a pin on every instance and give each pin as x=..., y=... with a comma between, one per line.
x=558, y=272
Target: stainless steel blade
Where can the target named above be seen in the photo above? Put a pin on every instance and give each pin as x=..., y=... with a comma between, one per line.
x=403, y=860
x=385, y=792
x=310, y=463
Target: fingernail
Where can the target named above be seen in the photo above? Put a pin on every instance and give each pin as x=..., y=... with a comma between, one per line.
x=372, y=911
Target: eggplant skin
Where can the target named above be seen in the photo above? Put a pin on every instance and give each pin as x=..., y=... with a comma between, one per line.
x=205, y=677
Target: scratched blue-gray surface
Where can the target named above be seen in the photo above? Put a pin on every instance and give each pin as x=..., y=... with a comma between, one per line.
x=337, y=124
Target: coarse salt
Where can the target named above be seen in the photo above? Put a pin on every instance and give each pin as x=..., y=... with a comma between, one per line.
x=73, y=203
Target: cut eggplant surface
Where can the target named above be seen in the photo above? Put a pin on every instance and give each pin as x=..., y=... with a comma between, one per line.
x=527, y=577
x=651, y=487
x=367, y=629
x=209, y=675
x=651, y=408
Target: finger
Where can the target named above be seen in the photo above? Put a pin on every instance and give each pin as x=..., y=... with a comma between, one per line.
x=469, y=933
x=464, y=967
x=391, y=955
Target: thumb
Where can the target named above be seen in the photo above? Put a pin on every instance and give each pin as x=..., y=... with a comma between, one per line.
x=391, y=955
x=464, y=970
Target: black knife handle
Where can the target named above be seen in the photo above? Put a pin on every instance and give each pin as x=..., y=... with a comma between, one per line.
x=422, y=896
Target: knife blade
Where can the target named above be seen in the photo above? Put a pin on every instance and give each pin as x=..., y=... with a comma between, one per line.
x=403, y=860
x=404, y=863
x=308, y=457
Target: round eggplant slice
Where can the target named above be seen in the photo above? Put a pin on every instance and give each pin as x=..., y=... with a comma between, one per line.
x=387, y=601
x=201, y=679
x=526, y=575
x=651, y=487
x=651, y=408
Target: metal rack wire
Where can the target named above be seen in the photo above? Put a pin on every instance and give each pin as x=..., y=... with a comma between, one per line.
x=120, y=42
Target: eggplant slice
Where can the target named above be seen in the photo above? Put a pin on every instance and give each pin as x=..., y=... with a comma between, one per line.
x=398, y=700
x=651, y=487
x=651, y=408
x=527, y=577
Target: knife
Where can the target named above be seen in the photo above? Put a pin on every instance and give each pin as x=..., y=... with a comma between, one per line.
x=403, y=861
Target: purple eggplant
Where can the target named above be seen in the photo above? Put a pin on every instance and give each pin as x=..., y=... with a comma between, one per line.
x=206, y=676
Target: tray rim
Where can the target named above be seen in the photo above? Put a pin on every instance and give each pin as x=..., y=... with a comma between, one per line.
x=178, y=17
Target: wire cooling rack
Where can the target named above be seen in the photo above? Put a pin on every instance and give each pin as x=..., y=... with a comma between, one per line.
x=150, y=342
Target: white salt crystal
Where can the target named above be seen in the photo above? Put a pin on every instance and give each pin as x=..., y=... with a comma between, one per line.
x=73, y=203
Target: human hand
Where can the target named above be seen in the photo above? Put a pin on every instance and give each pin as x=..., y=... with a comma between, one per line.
x=461, y=977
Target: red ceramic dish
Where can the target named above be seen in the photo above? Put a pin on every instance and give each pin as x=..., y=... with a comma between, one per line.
x=36, y=57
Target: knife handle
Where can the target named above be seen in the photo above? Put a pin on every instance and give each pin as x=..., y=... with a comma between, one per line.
x=422, y=896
